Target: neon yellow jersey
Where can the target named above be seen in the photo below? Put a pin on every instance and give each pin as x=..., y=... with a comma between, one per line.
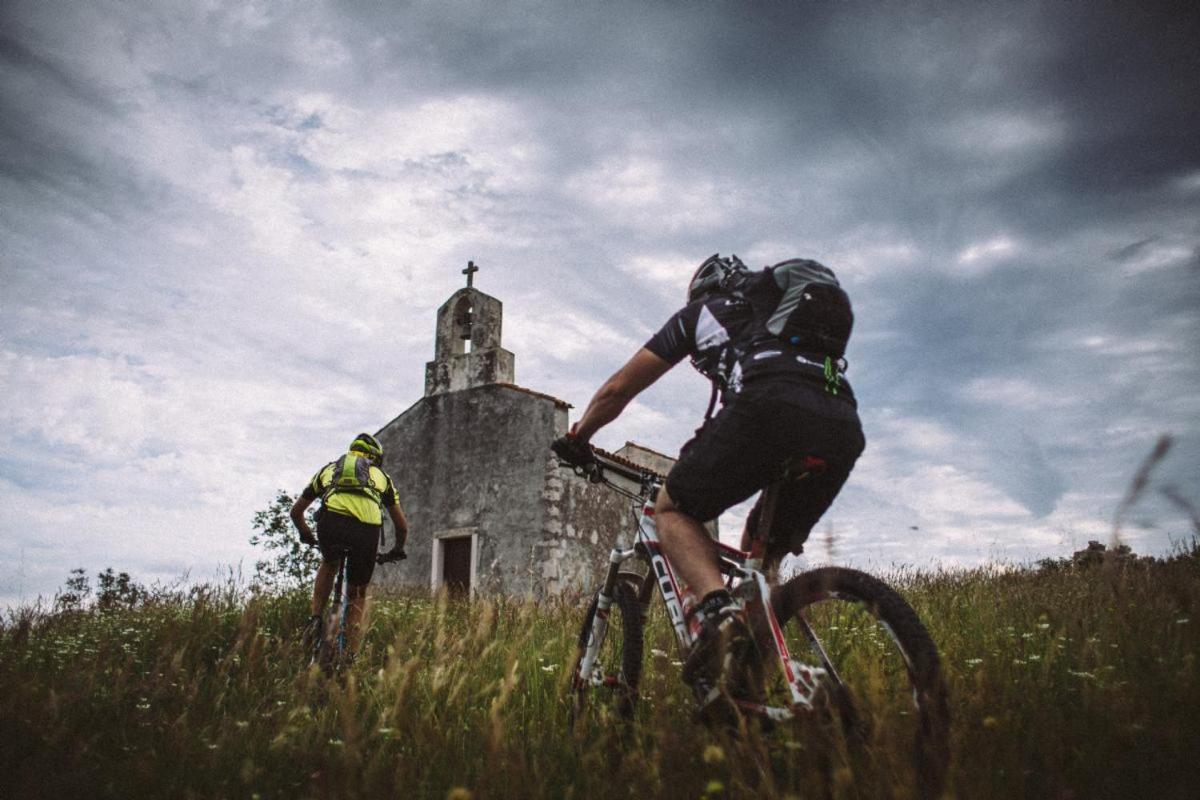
x=352, y=486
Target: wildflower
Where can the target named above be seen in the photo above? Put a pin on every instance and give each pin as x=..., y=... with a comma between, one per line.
x=550, y=668
x=713, y=754
x=714, y=787
x=990, y=722
x=1182, y=621
x=974, y=662
x=459, y=793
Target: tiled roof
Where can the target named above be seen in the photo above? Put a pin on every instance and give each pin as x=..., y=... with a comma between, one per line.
x=625, y=462
x=648, y=450
x=555, y=400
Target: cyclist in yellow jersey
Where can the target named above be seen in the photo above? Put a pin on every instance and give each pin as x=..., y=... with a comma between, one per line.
x=352, y=489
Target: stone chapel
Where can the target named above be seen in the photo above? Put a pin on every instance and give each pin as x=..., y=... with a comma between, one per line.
x=489, y=509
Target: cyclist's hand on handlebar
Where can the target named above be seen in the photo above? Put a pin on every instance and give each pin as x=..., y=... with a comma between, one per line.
x=391, y=555
x=577, y=453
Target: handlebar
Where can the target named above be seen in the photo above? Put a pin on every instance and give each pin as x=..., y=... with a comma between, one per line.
x=592, y=465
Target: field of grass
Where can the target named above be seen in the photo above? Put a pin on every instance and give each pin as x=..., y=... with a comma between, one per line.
x=1064, y=684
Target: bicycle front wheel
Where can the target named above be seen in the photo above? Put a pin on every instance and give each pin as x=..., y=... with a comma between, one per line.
x=883, y=686
x=616, y=646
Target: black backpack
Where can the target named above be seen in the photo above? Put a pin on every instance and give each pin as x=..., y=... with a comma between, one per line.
x=801, y=303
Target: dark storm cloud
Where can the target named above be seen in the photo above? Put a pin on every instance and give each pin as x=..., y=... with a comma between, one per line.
x=1009, y=191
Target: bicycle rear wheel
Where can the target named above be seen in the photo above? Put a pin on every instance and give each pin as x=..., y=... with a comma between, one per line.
x=883, y=693
x=613, y=678
x=311, y=639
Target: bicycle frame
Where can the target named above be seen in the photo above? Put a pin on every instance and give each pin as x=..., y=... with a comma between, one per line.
x=335, y=614
x=744, y=578
x=341, y=596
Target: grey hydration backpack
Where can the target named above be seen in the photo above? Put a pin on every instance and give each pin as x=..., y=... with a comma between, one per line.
x=801, y=303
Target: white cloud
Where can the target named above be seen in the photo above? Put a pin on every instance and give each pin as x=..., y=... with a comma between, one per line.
x=642, y=192
x=1187, y=184
x=1000, y=134
x=1159, y=255
x=979, y=256
x=668, y=272
x=559, y=332
x=1021, y=394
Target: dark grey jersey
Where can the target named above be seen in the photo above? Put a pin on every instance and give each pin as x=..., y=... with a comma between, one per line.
x=712, y=333
x=706, y=331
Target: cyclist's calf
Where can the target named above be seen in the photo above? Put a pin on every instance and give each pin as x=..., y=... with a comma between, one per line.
x=688, y=546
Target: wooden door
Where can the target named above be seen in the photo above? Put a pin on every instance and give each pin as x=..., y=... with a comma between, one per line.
x=456, y=564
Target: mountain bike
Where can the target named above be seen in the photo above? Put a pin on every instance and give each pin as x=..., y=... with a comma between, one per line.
x=838, y=656
x=325, y=639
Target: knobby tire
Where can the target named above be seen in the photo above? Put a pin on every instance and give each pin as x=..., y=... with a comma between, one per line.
x=808, y=594
x=623, y=656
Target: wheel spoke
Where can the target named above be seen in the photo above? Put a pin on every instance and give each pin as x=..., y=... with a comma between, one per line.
x=877, y=657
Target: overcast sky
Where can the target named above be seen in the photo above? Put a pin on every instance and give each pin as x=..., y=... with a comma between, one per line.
x=225, y=228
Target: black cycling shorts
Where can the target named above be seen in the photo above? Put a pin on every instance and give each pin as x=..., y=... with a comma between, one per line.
x=747, y=446
x=338, y=533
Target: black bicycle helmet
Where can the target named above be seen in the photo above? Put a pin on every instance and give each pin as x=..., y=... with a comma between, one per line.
x=714, y=275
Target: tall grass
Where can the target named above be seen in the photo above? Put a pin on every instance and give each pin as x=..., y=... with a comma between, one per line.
x=1070, y=683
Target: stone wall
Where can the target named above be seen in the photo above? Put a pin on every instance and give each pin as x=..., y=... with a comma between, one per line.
x=466, y=347
x=477, y=462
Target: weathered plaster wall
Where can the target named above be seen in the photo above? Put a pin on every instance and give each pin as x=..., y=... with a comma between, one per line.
x=466, y=350
x=478, y=461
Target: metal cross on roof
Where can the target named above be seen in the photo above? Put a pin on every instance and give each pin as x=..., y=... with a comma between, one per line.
x=470, y=273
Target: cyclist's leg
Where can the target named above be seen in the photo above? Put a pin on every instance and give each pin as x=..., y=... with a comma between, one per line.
x=363, y=541
x=323, y=585
x=801, y=503
x=356, y=615
x=329, y=537
x=723, y=465
x=690, y=549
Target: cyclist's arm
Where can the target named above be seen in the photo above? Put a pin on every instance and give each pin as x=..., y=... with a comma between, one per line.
x=626, y=383
x=400, y=522
x=297, y=513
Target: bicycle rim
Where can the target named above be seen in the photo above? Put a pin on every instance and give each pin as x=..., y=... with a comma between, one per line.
x=880, y=725
x=612, y=686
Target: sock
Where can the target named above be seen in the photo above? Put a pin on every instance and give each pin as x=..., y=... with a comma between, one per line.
x=711, y=605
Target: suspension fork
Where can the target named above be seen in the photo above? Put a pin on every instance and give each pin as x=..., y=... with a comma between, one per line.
x=604, y=600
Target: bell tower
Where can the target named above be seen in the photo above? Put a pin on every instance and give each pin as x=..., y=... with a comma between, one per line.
x=467, y=351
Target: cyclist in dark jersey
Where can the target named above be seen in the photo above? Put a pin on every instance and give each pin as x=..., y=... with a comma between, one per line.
x=777, y=404
x=352, y=489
